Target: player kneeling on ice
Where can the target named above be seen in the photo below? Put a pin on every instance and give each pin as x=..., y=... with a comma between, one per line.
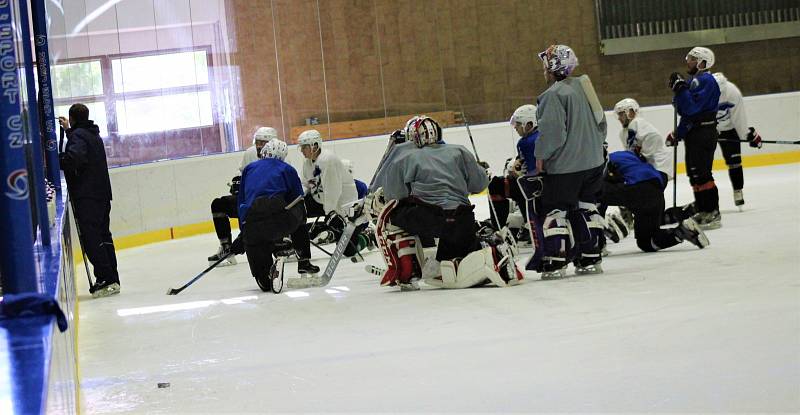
x=268, y=189
x=428, y=194
x=633, y=183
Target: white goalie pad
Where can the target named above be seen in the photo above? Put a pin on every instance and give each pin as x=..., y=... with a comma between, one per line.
x=475, y=269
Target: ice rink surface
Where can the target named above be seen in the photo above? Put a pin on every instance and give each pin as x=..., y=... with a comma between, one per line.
x=682, y=330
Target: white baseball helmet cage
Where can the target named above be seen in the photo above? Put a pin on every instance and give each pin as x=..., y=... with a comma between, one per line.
x=275, y=149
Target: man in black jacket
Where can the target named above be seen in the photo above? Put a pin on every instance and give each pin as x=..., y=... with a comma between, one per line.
x=84, y=163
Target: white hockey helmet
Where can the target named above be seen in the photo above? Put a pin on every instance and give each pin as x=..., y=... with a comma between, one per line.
x=309, y=138
x=423, y=131
x=274, y=149
x=625, y=105
x=524, y=114
x=559, y=60
x=348, y=165
x=702, y=54
x=264, y=134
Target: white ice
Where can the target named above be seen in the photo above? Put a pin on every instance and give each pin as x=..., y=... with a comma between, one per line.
x=682, y=330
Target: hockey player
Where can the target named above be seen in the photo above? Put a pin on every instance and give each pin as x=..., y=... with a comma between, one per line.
x=224, y=208
x=697, y=101
x=732, y=125
x=641, y=137
x=634, y=183
x=330, y=188
x=569, y=157
x=502, y=188
x=268, y=186
x=428, y=196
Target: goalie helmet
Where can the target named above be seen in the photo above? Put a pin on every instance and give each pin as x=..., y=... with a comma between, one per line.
x=274, y=149
x=309, y=138
x=524, y=115
x=702, y=54
x=559, y=60
x=625, y=105
x=264, y=134
x=423, y=131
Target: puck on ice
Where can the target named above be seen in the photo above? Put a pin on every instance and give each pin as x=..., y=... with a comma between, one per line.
x=162, y=385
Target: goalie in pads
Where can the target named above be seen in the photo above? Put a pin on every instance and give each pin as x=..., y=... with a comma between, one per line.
x=428, y=193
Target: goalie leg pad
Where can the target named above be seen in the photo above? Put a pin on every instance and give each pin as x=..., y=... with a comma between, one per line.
x=401, y=251
x=589, y=227
x=558, y=246
x=475, y=269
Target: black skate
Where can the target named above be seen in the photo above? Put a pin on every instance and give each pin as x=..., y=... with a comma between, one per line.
x=304, y=266
x=708, y=220
x=104, y=289
x=308, y=275
x=690, y=231
x=738, y=199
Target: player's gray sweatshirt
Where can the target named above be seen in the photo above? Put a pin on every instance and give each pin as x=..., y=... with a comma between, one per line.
x=571, y=140
x=440, y=174
x=396, y=152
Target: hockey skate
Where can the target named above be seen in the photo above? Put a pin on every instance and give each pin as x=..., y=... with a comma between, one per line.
x=308, y=275
x=104, y=289
x=554, y=274
x=589, y=269
x=627, y=216
x=738, y=199
x=325, y=237
x=708, y=220
x=223, y=250
x=688, y=230
x=411, y=285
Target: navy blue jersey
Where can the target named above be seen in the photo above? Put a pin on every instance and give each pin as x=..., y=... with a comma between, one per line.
x=632, y=168
x=702, y=97
x=525, y=148
x=361, y=188
x=267, y=177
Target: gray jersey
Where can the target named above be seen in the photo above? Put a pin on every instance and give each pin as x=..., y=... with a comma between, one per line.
x=571, y=140
x=441, y=174
x=395, y=153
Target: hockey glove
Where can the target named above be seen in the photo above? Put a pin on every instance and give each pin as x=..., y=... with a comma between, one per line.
x=234, y=185
x=237, y=247
x=753, y=138
x=671, y=140
x=676, y=82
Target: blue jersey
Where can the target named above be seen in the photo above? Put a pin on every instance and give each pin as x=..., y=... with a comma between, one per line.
x=633, y=169
x=701, y=98
x=525, y=148
x=361, y=188
x=267, y=177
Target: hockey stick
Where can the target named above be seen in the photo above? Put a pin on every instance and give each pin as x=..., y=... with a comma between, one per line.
x=75, y=215
x=176, y=291
x=674, y=157
x=730, y=140
x=478, y=159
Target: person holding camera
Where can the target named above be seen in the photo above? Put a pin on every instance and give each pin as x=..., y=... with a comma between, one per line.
x=85, y=167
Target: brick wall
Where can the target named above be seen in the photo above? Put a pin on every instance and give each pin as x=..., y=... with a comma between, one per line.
x=398, y=57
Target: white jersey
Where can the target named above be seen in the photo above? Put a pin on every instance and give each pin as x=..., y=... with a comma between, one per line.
x=642, y=137
x=329, y=182
x=250, y=155
x=730, y=112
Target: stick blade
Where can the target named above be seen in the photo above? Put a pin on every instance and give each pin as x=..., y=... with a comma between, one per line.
x=172, y=291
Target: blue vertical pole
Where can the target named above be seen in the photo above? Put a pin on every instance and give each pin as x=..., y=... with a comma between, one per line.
x=39, y=18
x=16, y=241
x=36, y=176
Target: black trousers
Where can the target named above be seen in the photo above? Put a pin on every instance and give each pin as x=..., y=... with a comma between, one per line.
x=93, y=217
x=646, y=201
x=564, y=191
x=456, y=229
x=701, y=142
x=501, y=189
x=259, y=252
x=222, y=209
x=314, y=209
x=732, y=152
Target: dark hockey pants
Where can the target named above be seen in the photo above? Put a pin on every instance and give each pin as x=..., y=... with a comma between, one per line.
x=456, y=229
x=222, y=209
x=265, y=227
x=732, y=152
x=646, y=201
x=500, y=190
x=93, y=219
x=701, y=142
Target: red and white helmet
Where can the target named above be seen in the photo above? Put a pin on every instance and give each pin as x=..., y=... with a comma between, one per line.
x=559, y=60
x=423, y=131
x=274, y=149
